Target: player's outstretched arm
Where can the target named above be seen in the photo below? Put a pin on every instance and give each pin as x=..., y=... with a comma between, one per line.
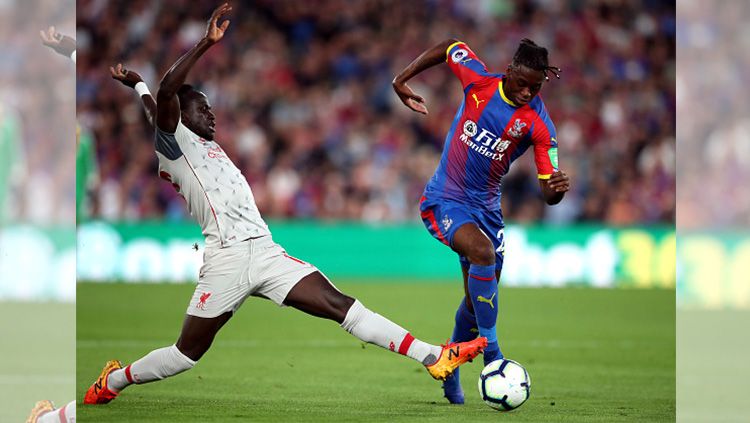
x=167, y=104
x=554, y=188
x=60, y=43
x=133, y=80
x=429, y=58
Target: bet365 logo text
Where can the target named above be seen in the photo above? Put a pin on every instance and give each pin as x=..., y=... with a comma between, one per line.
x=485, y=142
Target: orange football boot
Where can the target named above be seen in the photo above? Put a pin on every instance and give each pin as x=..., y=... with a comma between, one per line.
x=454, y=355
x=98, y=393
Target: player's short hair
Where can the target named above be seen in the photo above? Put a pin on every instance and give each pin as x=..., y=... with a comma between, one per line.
x=186, y=93
x=534, y=56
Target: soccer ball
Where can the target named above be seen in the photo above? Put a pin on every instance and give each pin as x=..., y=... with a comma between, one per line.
x=504, y=385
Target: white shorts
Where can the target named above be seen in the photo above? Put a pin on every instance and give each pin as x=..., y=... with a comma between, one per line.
x=258, y=267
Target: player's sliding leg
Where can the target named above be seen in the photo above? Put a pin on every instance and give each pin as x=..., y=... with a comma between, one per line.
x=195, y=339
x=315, y=295
x=470, y=242
x=465, y=329
x=45, y=412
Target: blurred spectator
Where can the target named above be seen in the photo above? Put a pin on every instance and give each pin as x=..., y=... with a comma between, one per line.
x=304, y=106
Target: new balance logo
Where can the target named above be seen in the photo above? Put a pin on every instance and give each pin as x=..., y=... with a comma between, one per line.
x=453, y=352
x=202, y=300
x=474, y=96
x=481, y=299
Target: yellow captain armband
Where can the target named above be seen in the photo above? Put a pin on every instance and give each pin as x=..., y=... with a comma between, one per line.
x=447, y=51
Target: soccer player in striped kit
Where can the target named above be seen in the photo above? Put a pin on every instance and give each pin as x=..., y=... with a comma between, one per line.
x=241, y=259
x=500, y=117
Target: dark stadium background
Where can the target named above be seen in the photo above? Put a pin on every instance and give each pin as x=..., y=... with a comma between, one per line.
x=303, y=101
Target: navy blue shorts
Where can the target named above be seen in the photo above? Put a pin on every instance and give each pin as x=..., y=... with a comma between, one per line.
x=442, y=218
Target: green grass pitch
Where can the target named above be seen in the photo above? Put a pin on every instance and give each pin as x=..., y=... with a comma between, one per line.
x=37, y=356
x=593, y=355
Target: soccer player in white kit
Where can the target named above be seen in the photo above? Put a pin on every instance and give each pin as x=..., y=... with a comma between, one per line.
x=240, y=258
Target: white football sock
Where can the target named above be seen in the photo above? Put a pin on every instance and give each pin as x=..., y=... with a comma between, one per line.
x=65, y=414
x=376, y=329
x=156, y=365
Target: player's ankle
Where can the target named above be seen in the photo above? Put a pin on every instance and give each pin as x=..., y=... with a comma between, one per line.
x=430, y=360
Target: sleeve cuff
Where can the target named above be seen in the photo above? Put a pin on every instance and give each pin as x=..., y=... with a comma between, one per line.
x=540, y=176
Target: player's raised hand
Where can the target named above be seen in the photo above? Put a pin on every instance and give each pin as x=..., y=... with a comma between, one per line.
x=559, y=181
x=60, y=43
x=410, y=99
x=127, y=77
x=214, y=31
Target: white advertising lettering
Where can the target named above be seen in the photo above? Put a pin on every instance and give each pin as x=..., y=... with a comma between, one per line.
x=485, y=143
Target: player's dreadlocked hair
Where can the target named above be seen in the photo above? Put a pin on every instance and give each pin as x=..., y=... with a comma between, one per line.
x=534, y=57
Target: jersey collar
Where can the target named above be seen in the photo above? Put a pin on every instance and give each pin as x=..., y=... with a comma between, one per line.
x=502, y=94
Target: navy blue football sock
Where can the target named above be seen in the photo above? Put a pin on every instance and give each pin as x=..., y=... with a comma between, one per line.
x=466, y=324
x=464, y=330
x=483, y=291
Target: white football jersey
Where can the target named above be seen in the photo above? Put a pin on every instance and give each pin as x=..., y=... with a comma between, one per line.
x=217, y=194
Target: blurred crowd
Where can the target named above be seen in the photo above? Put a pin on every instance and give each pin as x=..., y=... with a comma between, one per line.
x=304, y=106
x=714, y=127
x=37, y=115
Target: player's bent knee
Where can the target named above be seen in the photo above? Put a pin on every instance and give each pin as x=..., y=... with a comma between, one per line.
x=482, y=254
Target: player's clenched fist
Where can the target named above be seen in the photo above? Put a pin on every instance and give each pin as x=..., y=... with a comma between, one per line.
x=559, y=181
x=127, y=77
x=214, y=31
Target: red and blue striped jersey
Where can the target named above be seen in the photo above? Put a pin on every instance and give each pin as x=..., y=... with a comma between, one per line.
x=488, y=132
